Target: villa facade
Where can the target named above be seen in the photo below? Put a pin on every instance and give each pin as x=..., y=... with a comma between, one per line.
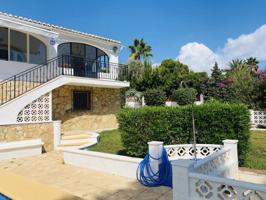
x=50, y=73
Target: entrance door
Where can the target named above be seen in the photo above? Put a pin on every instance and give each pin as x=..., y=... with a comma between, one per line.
x=77, y=59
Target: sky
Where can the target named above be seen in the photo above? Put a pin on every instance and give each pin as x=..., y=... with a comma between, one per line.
x=196, y=32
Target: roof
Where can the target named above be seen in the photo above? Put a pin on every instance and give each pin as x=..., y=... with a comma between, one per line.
x=46, y=25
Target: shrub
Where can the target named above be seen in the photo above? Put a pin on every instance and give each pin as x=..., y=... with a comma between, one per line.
x=154, y=97
x=184, y=96
x=173, y=125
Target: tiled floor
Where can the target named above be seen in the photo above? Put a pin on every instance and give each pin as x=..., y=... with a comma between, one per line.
x=88, y=184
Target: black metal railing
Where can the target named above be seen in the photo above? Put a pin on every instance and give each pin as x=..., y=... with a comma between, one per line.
x=63, y=65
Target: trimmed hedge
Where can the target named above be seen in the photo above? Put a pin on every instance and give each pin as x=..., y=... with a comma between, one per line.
x=184, y=96
x=173, y=125
x=154, y=97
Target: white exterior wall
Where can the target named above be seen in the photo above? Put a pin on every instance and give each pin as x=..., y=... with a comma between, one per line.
x=10, y=68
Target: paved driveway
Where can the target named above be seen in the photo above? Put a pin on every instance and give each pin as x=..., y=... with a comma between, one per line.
x=88, y=184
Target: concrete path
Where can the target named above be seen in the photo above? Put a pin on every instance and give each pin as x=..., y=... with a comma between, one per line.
x=87, y=184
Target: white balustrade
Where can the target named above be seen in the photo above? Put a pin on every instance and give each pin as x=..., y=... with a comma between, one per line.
x=258, y=117
x=217, y=188
x=213, y=177
x=186, y=151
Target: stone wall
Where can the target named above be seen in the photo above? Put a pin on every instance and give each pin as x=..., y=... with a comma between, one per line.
x=105, y=104
x=16, y=132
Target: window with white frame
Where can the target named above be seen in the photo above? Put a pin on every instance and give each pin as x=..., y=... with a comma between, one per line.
x=21, y=47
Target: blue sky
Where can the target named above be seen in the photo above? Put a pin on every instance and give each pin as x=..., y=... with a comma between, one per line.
x=195, y=31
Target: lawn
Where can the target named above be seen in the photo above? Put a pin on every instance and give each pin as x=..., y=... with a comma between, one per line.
x=256, y=158
x=110, y=142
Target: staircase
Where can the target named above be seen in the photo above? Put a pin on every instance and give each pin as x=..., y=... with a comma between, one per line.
x=67, y=65
x=23, y=88
x=78, y=139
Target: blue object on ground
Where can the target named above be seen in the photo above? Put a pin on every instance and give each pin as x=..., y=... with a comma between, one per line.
x=3, y=197
x=163, y=177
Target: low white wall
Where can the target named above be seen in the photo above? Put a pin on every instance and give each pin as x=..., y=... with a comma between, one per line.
x=19, y=149
x=103, y=162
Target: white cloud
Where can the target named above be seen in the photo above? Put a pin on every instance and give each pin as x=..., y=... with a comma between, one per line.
x=201, y=58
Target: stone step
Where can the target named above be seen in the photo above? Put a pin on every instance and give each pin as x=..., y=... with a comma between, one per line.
x=78, y=142
x=76, y=136
x=75, y=132
x=61, y=148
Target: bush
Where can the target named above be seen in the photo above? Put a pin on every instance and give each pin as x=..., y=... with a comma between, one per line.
x=173, y=125
x=154, y=97
x=184, y=96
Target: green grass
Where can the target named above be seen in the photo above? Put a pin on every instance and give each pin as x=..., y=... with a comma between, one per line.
x=110, y=142
x=256, y=158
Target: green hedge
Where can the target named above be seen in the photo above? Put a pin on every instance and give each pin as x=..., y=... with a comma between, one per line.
x=154, y=97
x=173, y=125
x=184, y=96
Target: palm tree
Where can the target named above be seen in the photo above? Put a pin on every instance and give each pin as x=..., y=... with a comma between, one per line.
x=252, y=62
x=236, y=63
x=140, y=50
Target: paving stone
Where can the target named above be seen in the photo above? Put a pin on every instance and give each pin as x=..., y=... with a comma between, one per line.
x=88, y=184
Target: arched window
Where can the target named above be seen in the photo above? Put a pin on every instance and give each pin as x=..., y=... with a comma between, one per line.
x=37, y=51
x=86, y=52
x=22, y=47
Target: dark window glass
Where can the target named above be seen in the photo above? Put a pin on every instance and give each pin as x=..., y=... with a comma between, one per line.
x=81, y=50
x=18, y=46
x=3, y=43
x=91, y=53
x=95, y=59
x=78, y=50
x=103, y=61
x=37, y=51
x=64, y=49
x=81, y=100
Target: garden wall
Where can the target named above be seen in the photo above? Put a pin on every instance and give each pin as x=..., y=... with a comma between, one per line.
x=18, y=132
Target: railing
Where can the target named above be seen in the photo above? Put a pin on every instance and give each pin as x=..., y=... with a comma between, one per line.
x=62, y=65
x=214, y=178
x=217, y=188
x=258, y=117
x=186, y=151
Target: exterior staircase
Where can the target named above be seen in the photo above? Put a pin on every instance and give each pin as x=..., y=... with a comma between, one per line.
x=23, y=88
x=77, y=139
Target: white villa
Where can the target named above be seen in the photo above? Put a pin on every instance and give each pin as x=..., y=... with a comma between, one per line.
x=50, y=73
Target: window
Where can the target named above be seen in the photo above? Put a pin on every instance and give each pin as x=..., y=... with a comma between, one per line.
x=95, y=56
x=81, y=100
x=103, y=61
x=3, y=43
x=18, y=46
x=64, y=49
x=37, y=51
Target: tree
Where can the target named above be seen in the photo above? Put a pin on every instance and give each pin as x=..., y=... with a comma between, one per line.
x=242, y=83
x=236, y=63
x=140, y=50
x=252, y=62
x=217, y=74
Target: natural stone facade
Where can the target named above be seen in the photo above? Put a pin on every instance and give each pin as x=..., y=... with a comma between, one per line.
x=105, y=104
x=16, y=132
